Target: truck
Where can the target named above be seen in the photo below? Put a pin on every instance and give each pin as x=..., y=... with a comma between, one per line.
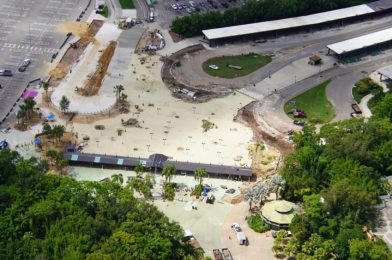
x=241, y=238
x=226, y=254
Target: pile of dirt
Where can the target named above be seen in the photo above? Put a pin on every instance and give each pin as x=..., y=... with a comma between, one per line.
x=93, y=85
x=232, y=199
x=73, y=53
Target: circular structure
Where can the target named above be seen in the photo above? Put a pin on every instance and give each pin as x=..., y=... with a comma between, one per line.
x=278, y=213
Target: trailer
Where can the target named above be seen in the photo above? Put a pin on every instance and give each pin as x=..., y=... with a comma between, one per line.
x=226, y=254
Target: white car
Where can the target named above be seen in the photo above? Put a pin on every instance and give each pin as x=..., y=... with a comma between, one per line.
x=236, y=227
x=192, y=3
x=174, y=6
x=213, y=66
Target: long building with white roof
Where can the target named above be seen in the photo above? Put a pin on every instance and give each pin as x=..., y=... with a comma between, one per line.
x=244, y=30
x=361, y=42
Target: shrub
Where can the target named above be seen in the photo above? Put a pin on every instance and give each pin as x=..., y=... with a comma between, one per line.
x=170, y=191
x=256, y=223
x=364, y=87
x=198, y=190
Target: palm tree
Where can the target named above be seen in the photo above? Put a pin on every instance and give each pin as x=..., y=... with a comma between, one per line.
x=117, y=178
x=58, y=131
x=45, y=86
x=64, y=104
x=21, y=114
x=28, y=105
x=118, y=89
x=139, y=169
x=277, y=183
x=200, y=173
x=168, y=171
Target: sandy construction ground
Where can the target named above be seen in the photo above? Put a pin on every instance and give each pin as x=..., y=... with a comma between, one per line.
x=205, y=223
x=171, y=126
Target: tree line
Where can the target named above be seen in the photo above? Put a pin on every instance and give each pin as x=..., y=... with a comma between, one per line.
x=43, y=216
x=338, y=175
x=254, y=11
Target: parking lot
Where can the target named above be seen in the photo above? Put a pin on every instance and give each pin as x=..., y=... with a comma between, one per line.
x=28, y=30
x=167, y=11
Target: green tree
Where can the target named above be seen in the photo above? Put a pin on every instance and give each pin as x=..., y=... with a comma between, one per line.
x=64, y=104
x=21, y=114
x=117, y=178
x=200, y=174
x=58, y=132
x=28, y=106
x=45, y=86
x=168, y=171
x=364, y=249
x=139, y=169
x=46, y=129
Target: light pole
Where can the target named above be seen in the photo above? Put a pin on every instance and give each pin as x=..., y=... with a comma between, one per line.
x=164, y=141
x=148, y=148
x=190, y=137
x=203, y=145
x=151, y=135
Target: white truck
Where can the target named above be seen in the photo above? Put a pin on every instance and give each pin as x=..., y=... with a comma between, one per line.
x=241, y=238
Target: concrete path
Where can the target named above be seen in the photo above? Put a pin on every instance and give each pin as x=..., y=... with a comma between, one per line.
x=364, y=106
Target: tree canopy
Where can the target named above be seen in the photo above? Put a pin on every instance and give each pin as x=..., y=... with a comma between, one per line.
x=43, y=216
x=338, y=175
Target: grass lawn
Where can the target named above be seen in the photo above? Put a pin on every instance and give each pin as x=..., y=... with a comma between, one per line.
x=249, y=64
x=105, y=11
x=127, y=4
x=315, y=104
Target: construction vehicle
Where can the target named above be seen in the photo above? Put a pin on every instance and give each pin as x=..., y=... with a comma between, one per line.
x=126, y=23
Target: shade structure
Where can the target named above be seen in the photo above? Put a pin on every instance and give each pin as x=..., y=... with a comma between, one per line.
x=29, y=94
x=278, y=213
x=51, y=117
x=37, y=141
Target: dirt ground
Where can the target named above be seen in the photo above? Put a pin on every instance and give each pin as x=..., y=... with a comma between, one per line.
x=86, y=34
x=245, y=115
x=93, y=85
x=260, y=245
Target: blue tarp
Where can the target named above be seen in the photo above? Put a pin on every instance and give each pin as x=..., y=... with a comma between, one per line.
x=51, y=117
x=37, y=141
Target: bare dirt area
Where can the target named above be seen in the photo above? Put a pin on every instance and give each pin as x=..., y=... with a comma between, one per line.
x=175, y=37
x=260, y=245
x=86, y=34
x=94, y=83
x=245, y=115
x=150, y=41
x=203, y=92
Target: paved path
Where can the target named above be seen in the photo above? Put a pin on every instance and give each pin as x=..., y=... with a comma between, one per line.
x=364, y=106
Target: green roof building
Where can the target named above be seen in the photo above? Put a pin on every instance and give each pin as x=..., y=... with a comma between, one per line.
x=278, y=213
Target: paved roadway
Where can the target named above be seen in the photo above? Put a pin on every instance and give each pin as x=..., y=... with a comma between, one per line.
x=28, y=31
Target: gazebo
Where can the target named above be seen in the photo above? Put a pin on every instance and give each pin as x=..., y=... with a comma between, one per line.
x=278, y=213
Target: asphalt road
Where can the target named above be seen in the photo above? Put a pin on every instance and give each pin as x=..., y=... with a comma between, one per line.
x=28, y=31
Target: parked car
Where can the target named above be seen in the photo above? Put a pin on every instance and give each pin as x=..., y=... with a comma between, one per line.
x=236, y=227
x=6, y=73
x=223, y=187
x=24, y=65
x=174, y=6
x=230, y=191
x=213, y=66
x=299, y=123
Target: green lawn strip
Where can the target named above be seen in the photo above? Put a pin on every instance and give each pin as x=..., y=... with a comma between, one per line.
x=127, y=4
x=315, y=104
x=249, y=64
x=105, y=11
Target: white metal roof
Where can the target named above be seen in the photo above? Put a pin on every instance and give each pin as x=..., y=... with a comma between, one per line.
x=386, y=71
x=361, y=41
x=318, y=18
